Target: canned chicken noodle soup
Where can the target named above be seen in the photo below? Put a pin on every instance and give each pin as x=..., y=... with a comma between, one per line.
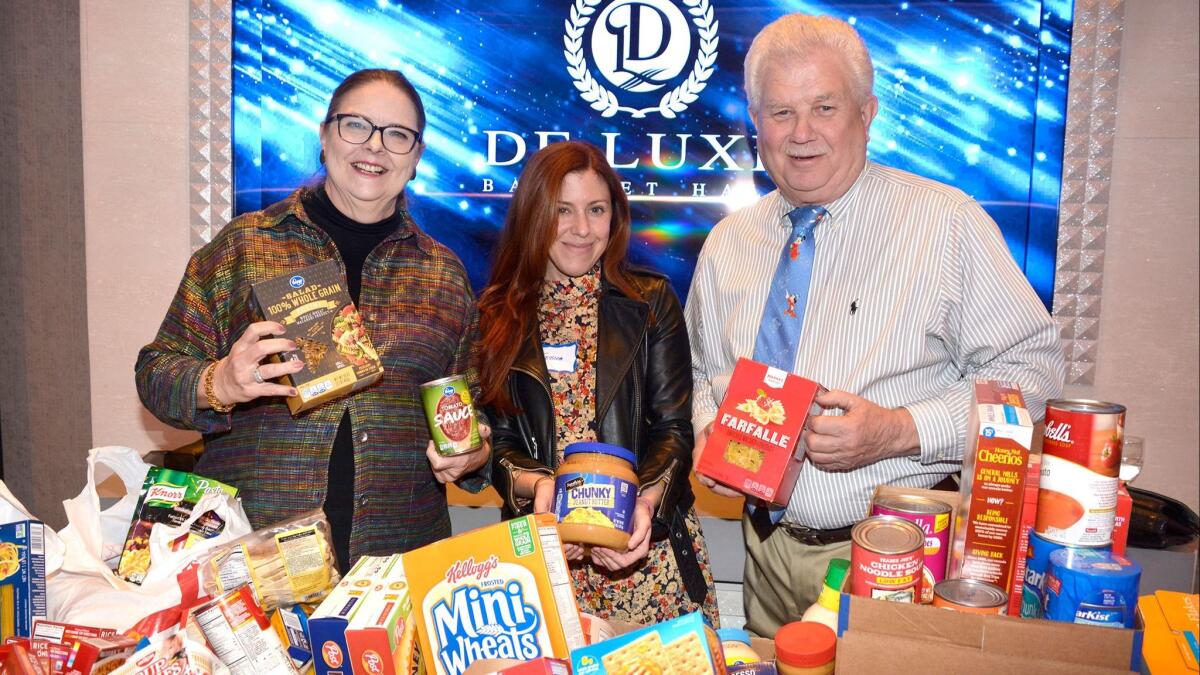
x=887, y=556
x=933, y=517
x=1081, y=458
x=451, y=416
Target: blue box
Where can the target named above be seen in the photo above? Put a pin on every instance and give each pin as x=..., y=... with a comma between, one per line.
x=22, y=577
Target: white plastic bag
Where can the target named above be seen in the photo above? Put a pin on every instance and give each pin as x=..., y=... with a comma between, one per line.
x=86, y=590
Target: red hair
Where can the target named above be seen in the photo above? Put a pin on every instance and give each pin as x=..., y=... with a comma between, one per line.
x=508, y=304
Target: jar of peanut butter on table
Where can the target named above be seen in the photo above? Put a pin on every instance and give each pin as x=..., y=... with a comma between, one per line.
x=805, y=648
x=595, y=492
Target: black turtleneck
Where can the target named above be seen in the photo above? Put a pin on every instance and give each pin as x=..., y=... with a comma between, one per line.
x=354, y=242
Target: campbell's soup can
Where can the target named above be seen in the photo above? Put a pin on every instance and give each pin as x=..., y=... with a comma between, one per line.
x=971, y=596
x=451, y=416
x=887, y=559
x=933, y=517
x=1081, y=458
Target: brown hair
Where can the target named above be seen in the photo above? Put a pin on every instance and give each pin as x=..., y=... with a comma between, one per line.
x=362, y=77
x=508, y=304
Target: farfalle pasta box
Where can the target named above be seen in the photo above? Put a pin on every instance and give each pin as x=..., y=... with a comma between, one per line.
x=755, y=444
x=498, y=592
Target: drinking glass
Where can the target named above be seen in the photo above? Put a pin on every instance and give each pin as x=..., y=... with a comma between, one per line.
x=1133, y=453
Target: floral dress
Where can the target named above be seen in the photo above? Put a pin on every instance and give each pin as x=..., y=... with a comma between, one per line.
x=568, y=313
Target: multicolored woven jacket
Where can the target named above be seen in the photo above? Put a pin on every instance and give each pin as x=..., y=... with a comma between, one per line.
x=419, y=310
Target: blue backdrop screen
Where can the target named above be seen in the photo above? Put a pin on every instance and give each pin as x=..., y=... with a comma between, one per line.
x=971, y=94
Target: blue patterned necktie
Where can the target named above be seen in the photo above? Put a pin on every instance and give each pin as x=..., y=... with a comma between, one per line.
x=783, y=314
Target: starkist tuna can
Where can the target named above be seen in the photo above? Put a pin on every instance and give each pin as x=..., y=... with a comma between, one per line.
x=1081, y=459
x=1037, y=565
x=451, y=417
x=887, y=557
x=1092, y=587
x=933, y=517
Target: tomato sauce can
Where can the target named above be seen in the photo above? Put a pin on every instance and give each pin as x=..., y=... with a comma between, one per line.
x=887, y=559
x=1081, y=459
x=451, y=416
x=971, y=596
x=933, y=517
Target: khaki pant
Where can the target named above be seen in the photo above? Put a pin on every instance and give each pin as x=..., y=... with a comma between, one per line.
x=782, y=577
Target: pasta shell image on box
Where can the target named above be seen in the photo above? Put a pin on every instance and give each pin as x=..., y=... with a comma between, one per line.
x=497, y=592
x=755, y=444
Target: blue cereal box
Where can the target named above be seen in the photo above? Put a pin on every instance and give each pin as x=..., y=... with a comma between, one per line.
x=22, y=577
x=681, y=646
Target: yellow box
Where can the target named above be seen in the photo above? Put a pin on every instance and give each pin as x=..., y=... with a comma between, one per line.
x=1172, y=622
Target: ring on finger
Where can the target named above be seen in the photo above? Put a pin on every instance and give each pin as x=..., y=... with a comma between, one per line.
x=258, y=376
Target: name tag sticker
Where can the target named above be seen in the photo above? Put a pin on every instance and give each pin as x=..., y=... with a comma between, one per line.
x=560, y=358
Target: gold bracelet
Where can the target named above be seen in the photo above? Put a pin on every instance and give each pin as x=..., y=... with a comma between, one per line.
x=211, y=394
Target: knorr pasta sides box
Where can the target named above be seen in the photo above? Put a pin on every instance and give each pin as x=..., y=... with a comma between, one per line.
x=755, y=443
x=994, y=475
x=681, y=646
x=315, y=307
x=498, y=592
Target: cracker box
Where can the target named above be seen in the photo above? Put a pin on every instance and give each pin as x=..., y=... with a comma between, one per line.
x=995, y=471
x=681, y=646
x=22, y=577
x=542, y=666
x=327, y=625
x=497, y=592
x=755, y=443
x=315, y=306
x=374, y=635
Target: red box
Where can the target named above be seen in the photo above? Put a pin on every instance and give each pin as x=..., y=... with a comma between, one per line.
x=1033, y=477
x=16, y=660
x=55, y=631
x=755, y=443
x=89, y=652
x=541, y=666
x=1121, y=521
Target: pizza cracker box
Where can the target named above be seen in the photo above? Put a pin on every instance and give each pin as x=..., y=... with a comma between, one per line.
x=995, y=469
x=22, y=577
x=875, y=636
x=1172, y=625
x=327, y=624
x=682, y=646
x=331, y=338
x=374, y=635
x=755, y=444
x=496, y=592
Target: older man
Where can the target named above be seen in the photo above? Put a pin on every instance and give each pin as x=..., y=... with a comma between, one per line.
x=905, y=291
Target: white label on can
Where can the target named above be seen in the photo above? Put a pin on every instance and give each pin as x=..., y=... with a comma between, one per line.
x=1076, y=506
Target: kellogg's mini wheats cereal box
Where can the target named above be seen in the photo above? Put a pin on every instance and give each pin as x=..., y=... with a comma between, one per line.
x=498, y=592
x=755, y=443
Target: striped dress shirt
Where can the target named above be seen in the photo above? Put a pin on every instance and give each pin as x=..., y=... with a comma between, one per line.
x=914, y=295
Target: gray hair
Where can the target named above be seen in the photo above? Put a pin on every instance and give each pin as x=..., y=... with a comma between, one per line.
x=796, y=37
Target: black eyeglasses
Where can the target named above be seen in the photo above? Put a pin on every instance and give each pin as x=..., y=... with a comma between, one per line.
x=357, y=129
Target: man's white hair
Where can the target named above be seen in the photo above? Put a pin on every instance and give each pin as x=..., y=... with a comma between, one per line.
x=795, y=38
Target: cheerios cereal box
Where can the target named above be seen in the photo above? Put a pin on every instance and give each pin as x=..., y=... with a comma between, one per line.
x=681, y=646
x=498, y=592
x=755, y=443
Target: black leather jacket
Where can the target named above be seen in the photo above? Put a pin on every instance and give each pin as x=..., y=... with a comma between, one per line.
x=643, y=403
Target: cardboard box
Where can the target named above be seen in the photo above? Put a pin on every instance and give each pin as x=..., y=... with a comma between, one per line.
x=995, y=469
x=902, y=638
x=1121, y=520
x=684, y=645
x=321, y=319
x=1172, y=632
x=374, y=634
x=327, y=625
x=22, y=577
x=501, y=591
x=755, y=444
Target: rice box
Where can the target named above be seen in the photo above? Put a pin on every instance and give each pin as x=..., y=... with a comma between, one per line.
x=330, y=336
x=497, y=592
x=327, y=624
x=755, y=443
x=682, y=646
x=22, y=577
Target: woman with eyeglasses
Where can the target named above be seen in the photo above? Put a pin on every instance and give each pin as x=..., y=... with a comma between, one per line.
x=366, y=459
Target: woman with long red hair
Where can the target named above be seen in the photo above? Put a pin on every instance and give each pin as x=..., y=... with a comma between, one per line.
x=582, y=346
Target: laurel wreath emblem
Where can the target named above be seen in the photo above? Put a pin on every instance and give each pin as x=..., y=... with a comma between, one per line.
x=674, y=101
